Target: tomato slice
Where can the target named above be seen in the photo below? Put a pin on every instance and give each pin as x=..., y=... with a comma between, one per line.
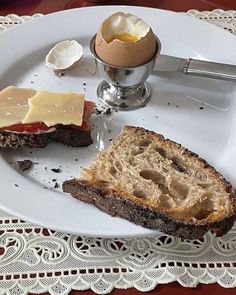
x=41, y=127
x=31, y=128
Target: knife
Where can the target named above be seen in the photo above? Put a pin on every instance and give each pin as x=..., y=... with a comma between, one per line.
x=195, y=67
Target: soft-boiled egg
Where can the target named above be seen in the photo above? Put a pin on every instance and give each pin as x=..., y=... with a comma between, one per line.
x=125, y=40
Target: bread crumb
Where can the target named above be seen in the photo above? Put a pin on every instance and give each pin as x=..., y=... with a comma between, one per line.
x=56, y=170
x=98, y=112
x=59, y=73
x=25, y=165
x=56, y=185
x=108, y=111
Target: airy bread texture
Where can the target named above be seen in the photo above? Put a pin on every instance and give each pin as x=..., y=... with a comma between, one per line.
x=156, y=183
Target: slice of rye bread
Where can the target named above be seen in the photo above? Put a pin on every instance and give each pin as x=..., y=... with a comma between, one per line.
x=156, y=183
x=64, y=134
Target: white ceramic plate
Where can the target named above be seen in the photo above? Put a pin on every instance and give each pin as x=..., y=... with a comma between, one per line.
x=196, y=112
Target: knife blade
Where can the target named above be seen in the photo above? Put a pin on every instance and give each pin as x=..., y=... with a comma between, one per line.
x=190, y=66
x=167, y=63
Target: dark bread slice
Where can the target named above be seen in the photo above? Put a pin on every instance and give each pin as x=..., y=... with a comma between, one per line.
x=110, y=202
x=156, y=183
x=64, y=134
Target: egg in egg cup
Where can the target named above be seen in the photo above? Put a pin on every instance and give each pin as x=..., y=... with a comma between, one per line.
x=125, y=50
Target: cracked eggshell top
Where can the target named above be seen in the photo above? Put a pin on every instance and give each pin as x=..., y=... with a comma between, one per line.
x=125, y=40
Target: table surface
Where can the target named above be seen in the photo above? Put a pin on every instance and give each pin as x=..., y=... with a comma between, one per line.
x=26, y=7
x=46, y=6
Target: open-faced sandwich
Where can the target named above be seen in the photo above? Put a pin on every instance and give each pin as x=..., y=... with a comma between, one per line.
x=156, y=183
x=33, y=118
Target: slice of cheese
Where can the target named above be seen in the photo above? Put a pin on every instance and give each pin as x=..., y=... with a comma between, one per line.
x=14, y=105
x=55, y=108
x=23, y=105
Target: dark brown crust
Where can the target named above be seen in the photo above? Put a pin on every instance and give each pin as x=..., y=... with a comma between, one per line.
x=64, y=134
x=111, y=203
x=72, y=137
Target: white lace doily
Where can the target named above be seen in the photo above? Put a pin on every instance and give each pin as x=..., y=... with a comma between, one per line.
x=36, y=260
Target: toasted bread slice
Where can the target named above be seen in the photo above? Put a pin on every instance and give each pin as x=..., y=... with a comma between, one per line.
x=156, y=183
x=64, y=134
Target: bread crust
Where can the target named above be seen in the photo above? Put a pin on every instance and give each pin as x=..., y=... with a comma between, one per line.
x=114, y=203
x=64, y=134
x=111, y=203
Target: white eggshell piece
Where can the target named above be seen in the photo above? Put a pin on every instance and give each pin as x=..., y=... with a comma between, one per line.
x=64, y=55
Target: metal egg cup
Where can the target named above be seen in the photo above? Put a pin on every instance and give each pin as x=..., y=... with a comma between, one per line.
x=124, y=88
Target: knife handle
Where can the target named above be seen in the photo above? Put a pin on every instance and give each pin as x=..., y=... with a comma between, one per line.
x=209, y=69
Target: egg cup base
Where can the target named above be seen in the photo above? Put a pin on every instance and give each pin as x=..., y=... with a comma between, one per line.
x=124, y=98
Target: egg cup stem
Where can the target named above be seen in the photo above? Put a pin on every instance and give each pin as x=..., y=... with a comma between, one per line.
x=124, y=88
x=123, y=98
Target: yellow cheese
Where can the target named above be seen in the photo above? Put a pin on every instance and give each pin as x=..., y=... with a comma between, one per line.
x=55, y=108
x=23, y=105
x=14, y=105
